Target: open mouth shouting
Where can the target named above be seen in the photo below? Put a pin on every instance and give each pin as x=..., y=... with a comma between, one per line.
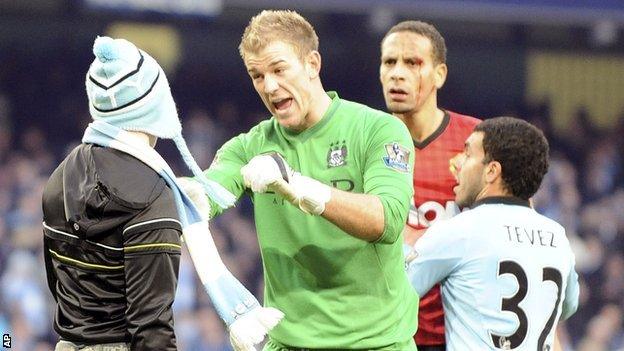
x=282, y=105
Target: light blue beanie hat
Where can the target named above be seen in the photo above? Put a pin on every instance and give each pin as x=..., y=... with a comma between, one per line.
x=129, y=90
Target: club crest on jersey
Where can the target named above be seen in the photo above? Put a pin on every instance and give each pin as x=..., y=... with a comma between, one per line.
x=398, y=157
x=337, y=154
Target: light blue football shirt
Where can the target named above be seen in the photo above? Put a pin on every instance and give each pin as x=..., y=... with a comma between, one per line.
x=507, y=276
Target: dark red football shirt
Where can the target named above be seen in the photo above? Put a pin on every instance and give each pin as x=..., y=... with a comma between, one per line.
x=434, y=200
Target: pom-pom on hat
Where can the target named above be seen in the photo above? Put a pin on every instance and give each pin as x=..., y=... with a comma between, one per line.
x=129, y=90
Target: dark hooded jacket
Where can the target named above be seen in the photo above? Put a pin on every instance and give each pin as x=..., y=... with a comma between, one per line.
x=112, y=250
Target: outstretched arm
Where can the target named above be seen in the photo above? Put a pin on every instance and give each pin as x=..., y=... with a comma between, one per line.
x=376, y=215
x=360, y=215
x=364, y=216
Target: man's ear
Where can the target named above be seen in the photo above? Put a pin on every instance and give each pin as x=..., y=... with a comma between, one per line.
x=493, y=172
x=313, y=64
x=441, y=70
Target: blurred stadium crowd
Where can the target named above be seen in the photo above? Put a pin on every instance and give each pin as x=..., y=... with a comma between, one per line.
x=584, y=191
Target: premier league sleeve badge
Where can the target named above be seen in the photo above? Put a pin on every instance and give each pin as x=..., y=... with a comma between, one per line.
x=397, y=157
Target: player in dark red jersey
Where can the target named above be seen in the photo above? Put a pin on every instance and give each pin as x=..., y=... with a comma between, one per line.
x=413, y=68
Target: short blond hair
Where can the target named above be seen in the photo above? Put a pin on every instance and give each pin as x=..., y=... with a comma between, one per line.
x=278, y=25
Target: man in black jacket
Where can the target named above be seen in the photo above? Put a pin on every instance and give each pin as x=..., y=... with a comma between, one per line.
x=113, y=215
x=112, y=250
x=111, y=228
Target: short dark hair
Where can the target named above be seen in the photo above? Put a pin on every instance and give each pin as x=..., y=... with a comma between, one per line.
x=426, y=30
x=520, y=148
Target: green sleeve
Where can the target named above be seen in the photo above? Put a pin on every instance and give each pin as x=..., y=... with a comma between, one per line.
x=225, y=170
x=390, y=176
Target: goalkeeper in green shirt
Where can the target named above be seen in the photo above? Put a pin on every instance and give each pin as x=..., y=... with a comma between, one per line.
x=330, y=182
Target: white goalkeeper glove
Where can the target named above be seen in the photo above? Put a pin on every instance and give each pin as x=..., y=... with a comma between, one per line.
x=271, y=172
x=195, y=191
x=250, y=329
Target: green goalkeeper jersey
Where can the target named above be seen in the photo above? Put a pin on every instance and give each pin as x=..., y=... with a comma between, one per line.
x=336, y=291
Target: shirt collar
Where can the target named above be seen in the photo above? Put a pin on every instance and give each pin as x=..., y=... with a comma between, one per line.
x=504, y=200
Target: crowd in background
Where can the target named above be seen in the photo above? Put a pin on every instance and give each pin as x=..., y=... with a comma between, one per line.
x=583, y=190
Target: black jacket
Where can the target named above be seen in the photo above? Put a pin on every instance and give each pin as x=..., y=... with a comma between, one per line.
x=112, y=250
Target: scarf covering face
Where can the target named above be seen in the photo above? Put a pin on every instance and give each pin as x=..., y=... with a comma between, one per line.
x=230, y=298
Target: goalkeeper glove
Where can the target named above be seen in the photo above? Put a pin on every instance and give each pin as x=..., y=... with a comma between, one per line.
x=271, y=172
x=250, y=328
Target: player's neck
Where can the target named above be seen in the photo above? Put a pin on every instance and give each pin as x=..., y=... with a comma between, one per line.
x=318, y=107
x=495, y=189
x=424, y=122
